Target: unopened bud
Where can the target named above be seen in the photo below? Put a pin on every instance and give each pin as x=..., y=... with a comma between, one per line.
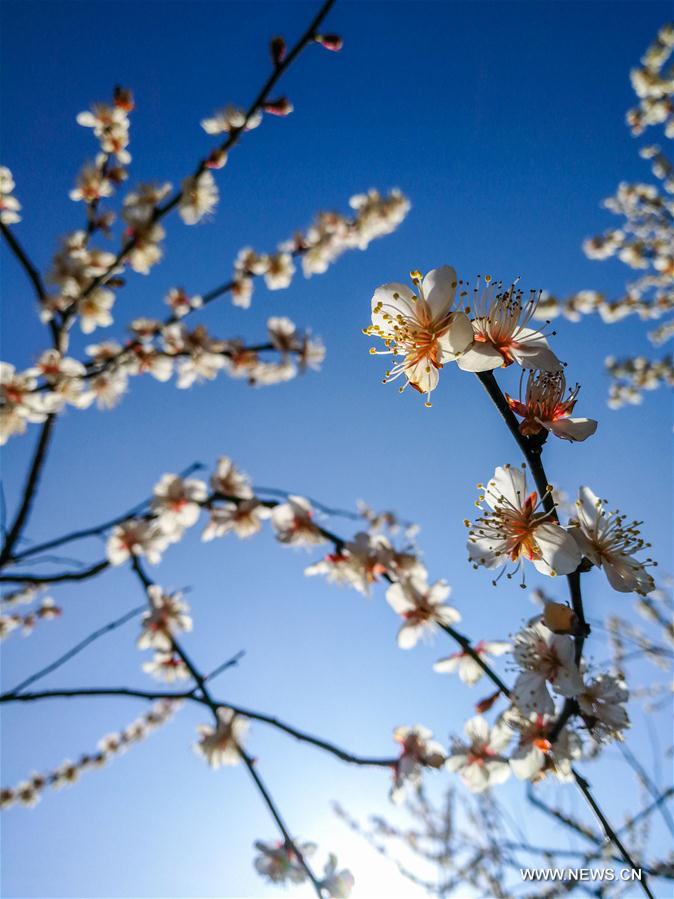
x=217, y=159
x=485, y=704
x=560, y=618
x=277, y=48
x=330, y=41
x=279, y=107
x=123, y=98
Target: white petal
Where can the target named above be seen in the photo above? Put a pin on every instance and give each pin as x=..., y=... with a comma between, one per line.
x=480, y=357
x=457, y=339
x=560, y=553
x=572, y=428
x=439, y=287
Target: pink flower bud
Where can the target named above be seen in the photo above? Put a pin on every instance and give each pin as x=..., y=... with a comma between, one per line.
x=123, y=98
x=217, y=159
x=279, y=107
x=330, y=41
x=277, y=48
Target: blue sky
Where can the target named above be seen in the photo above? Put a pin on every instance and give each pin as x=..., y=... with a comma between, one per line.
x=504, y=124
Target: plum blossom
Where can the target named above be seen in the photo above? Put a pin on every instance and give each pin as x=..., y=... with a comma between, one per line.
x=421, y=607
x=543, y=658
x=94, y=310
x=168, y=616
x=9, y=205
x=279, y=863
x=611, y=544
x=513, y=528
x=227, y=480
x=425, y=327
x=535, y=755
x=137, y=537
x=419, y=751
x=337, y=884
x=199, y=197
x=602, y=706
x=480, y=761
x=358, y=563
x=166, y=666
x=180, y=303
x=177, y=501
x=501, y=335
x=92, y=184
x=19, y=404
x=283, y=333
x=244, y=517
x=545, y=409
x=279, y=272
x=231, y=118
x=469, y=670
x=294, y=524
x=220, y=745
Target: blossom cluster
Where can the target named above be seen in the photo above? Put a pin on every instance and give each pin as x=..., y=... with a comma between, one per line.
x=654, y=86
x=46, y=611
x=634, y=375
x=329, y=236
x=9, y=205
x=644, y=240
x=157, y=349
x=278, y=862
x=480, y=329
x=29, y=792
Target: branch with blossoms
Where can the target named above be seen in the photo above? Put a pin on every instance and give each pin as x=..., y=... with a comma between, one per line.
x=233, y=507
x=644, y=240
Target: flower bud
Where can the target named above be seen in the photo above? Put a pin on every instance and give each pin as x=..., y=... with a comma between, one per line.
x=560, y=618
x=123, y=98
x=217, y=159
x=277, y=48
x=330, y=41
x=280, y=107
x=485, y=704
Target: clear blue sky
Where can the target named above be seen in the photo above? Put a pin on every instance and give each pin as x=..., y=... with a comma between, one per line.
x=504, y=124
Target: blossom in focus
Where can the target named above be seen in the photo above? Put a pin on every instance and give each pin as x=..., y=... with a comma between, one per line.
x=421, y=607
x=501, y=333
x=168, y=615
x=177, y=501
x=610, y=543
x=543, y=658
x=294, y=524
x=602, y=707
x=220, y=745
x=469, y=670
x=535, y=755
x=514, y=527
x=480, y=760
x=199, y=197
x=544, y=408
x=9, y=205
x=136, y=537
x=278, y=862
x=419, y=751
x=425, y=327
